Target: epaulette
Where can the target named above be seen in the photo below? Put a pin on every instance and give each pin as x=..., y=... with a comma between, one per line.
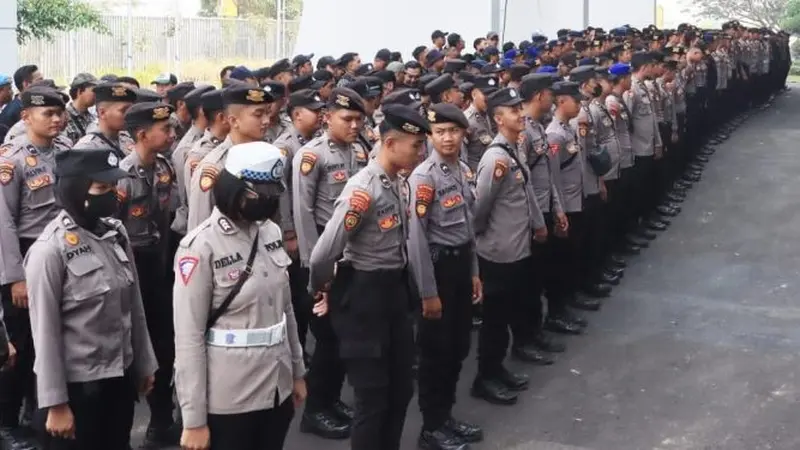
x=187, y=240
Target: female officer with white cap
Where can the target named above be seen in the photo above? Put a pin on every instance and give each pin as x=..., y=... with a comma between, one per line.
x=239, y=363
x=87, y=319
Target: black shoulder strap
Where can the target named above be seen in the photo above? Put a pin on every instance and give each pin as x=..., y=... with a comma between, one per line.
x=76, y=120
x=119, y=151
x=248, y=270
x=513, y=156
x=566, y=163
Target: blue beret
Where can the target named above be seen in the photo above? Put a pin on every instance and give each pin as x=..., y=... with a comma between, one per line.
x=547, y=69
x=511, y=54
x=478, y=63
x=506, y=63
x=491, y=51
x=620, y=69
x=708, y=37
x=619, y=32
x=532, y=52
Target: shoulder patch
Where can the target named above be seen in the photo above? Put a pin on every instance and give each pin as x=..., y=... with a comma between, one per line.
x=360, y=200
x=4, y=148
x=225, y=225
x=424, y=197
x=208, y=178
x=6, y=173
x=186, y=266
x=500, y=169
x=307, y=162
x=351, y=220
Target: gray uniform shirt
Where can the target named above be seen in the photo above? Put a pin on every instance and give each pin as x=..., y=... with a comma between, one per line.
x=122, y=144
x=145, y=201
x=289, y=143
x=564, y=148
x=606, y=135
x=587, y=140
x=505, y=206
x=225, y=380
x=645, y=136
x=479, y=136
x=201, y=196
x=27, y=200
x=320, y=171
x=87, y=317
x=178, y=159
x=622, y=125
x=204, y=143
x=369, y=226
x=444, y=194
x=535, y=155
x=19, y=129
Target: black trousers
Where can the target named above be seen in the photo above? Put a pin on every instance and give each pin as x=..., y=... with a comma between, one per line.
x=302, y=302
x=370, y=315
x=444, y=343
x=506, y=289
x=103, y=412
x=645, y=187
x=595, y=216
x=526, y=323
x=156, y=298
x=256, y=430
x=325, y=377
x=18, y=382
x=663, y=166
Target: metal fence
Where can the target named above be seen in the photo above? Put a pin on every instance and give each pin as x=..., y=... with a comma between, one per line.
x=167, y=42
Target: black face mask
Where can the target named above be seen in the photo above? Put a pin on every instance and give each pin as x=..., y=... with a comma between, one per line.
x=261, y=208
x=97, y=206
x=597, y=91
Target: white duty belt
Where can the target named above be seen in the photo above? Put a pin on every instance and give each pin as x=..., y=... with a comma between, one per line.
x=256, y=337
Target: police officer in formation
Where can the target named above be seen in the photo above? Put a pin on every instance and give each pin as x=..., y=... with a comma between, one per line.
x=389, y=200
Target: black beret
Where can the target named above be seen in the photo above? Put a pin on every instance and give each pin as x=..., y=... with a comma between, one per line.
x=569, y=88
x=367, y=87
x=364, y=69
x=466, y=87
x=671, y=65
x=306, y=98
x=408, y=97
x=180, y=90
x=533, y=83
x=433, y=56
x=386, y=76
x=263, y=72
x=490, y=69
x=274, y=88
x=246, y=95
x=582, y=74
x=466, y=75
x=42, y=96
x=299, y=60
x=569, y=59
x=279, y=67
x=454, y=65
x=639, y=59
x=346, y=98
x=405, y=119
x=504, y=97
x=345, y=59
x=194, y=97
x=301, y=82
x=144, y=114
x=212, y=100
x=322, y=75
x=517, y=71
x=447, y=113
x=657, y=56
x=96, y=164
x=325, y=61
x=413, y=65
x=601, y=72
x=114, y=92
x=384, y=54
x=441, y=84
x=424, y=80
x=146, y=95
x=487, y=83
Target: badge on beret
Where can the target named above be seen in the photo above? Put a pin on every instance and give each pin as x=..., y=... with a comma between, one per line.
x=186, y=266
x=360, y=200
x=409, y=128
x=119, y=91
x=160, y=113
x=432, y=116
x=351, y=220
x=307, y=162
x=39, y=182
x=255, y=95
x=37, y=100
x=342, y=101
x=208, y=177
x=6, y=173
x=71, y=238
x=500, y=169
x=31, y=161
x=486, y=139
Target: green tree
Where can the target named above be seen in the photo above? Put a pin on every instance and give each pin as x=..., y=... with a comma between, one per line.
x=39, y=19
x=256, y=8
x=756, y=13
x=791, y=20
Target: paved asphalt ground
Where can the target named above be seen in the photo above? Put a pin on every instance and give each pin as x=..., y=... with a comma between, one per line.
x=697, y=348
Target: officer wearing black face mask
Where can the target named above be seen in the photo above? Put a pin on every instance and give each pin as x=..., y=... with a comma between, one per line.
x=239, y=363
x=89, y=331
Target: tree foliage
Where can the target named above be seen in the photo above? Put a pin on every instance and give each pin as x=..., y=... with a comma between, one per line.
x=256, y=8
x=40, y=19
x=756, y=13
x=791, y=20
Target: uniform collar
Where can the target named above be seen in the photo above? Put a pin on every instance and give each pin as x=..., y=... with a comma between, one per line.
x=227, y=226
x=375, y=169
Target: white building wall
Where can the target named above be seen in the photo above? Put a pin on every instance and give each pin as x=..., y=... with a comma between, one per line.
x=8, y=37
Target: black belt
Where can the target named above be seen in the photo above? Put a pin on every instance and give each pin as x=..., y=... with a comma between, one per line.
x=438, y=251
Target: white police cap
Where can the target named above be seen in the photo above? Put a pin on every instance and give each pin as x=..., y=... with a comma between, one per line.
x=257, y=162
